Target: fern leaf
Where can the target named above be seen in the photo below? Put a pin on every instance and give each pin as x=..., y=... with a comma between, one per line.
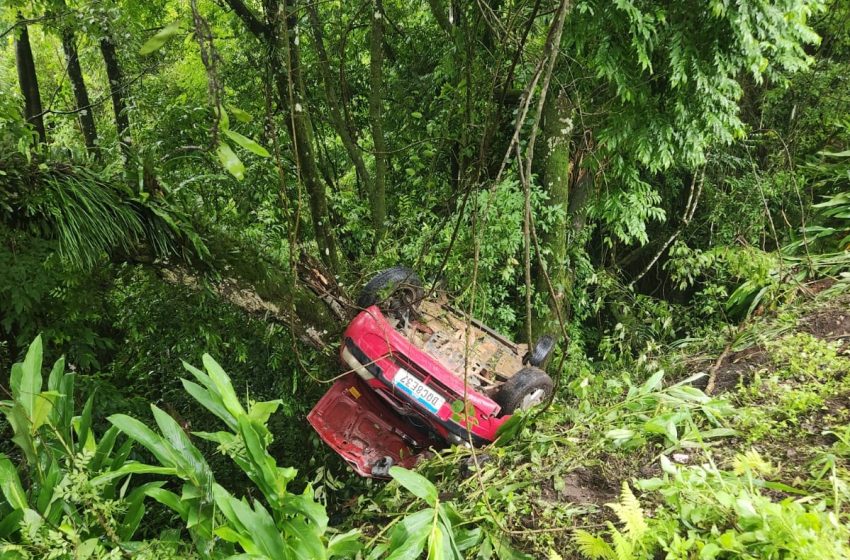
x=753, y=462
x=624, y=548
x=630, y=514
x=593, y=547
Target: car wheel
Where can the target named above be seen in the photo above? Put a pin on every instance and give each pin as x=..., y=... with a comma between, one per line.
x=541, y=351
x=528, y=387
x=397, y=291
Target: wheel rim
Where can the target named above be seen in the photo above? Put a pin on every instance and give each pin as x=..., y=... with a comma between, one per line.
x=532, y=399
x=403, y=299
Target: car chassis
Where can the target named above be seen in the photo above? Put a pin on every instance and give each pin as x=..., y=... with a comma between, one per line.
x=422, y=373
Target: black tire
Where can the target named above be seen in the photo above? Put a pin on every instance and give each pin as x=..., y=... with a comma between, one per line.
x=541, y=351
x=396, y=290
x=525, y=383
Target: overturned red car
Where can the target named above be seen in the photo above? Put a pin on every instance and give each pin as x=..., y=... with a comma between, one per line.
x=422, y=374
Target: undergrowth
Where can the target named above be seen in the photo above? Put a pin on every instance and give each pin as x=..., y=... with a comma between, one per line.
x=635, y=460
x=647, y=465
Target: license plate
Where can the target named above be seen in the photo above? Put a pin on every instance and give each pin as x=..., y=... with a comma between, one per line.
x=423, y=394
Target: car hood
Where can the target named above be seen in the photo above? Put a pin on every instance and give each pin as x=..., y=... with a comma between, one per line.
x=364, y=430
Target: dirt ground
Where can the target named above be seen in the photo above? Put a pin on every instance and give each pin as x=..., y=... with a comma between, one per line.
x=829, y=321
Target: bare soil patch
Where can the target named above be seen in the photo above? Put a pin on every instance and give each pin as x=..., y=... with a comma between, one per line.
x=588, y=485
x=829, y=322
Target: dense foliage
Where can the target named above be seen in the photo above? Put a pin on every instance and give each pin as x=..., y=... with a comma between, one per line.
x=654, y=182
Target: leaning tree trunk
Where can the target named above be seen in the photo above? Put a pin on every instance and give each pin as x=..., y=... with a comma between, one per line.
x=555, y=170
x=116, y=84
x=377, y=196
x=81, y=94
x=292, y=95
x=284, y=56
x=29, y=83
x=334, y=104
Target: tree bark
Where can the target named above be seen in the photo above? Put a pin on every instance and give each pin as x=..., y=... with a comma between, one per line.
x=292, y=95
x=116, y=81
x=334, y=105
x=555, y=170
x=28, y=81
x=284, y=53
x=81, y=94
x=376, y=68
x=440, y=16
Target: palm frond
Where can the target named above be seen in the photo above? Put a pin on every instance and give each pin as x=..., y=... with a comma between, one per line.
x=92, y=215
x=87, y=216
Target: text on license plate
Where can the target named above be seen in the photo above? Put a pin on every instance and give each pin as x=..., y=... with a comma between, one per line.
x=423, y=394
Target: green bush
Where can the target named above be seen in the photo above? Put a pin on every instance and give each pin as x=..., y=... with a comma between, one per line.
x=75, y=496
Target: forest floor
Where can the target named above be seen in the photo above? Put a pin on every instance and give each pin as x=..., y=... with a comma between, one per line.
x=778, y=413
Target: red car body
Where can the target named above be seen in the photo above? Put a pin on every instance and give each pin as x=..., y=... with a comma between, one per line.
x=397, y=398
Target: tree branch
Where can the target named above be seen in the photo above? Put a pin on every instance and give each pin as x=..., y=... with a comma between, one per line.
x=254, y=24
x=440, y=15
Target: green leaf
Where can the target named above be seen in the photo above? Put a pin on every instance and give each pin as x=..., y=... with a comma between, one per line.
x=10, y=484
x=302, y=541
x=54, y=380
x=104, y=448
x=170, y=500
x=223, y=119
x=86, y=549
x=47, y=484
x=157, y=41
x=83, y=426
x=264, y=465
x=20, y=422
x=261, y=411
x=620, y=435
x=247, y=143
x=346, y=545
x=10, y=524
x=25, y=380
x=135, y=504
x=160, y=448
x=230, y=161
x=255, y=522
x=131, y=468
x=435, y=542
x=241, y=116
x=511, y=428
x=210, y=401
x=223, y=385
x=407, y=539
x=417, y=484
x=42, y=409
x=305, y=505
x=652, y=383
x=185, y=451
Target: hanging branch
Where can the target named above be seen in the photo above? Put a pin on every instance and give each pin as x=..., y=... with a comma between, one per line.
x=550, y=55
x=210, y=59
x=251, y=21
x=690, y=209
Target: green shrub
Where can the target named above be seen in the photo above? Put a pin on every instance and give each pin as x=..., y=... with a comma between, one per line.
x=69, y=495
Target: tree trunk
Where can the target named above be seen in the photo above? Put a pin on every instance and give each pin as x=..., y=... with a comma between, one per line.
x=378, y=193
x=29, y=83
x=284, y=55
x=555, y=169
x=301, y=133
x=116, y=81
x=334, y=105
x=81, y=94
